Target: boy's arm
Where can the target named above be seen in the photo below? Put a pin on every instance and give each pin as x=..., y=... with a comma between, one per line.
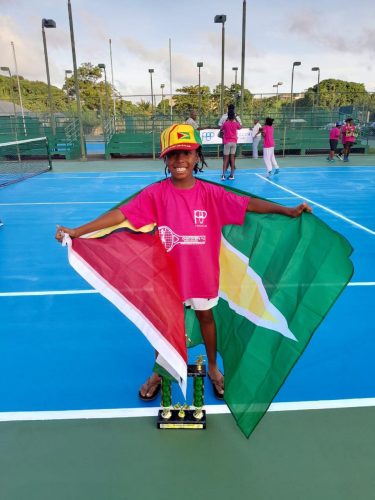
x=110, y=218
x=266, y=207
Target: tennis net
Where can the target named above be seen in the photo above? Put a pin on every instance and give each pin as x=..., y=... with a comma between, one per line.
x=20, y=160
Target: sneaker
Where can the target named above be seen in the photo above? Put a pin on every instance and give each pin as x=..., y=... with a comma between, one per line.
x=223, y=177
x=268, y=174
x=346, y=159
x=231, y=177
x=339, y=157
x=277, y=170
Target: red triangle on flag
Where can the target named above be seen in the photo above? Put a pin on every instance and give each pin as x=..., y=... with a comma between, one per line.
x=179, y=135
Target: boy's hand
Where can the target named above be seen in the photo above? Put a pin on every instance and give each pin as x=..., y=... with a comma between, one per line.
x=61, y=230
x=297, y=211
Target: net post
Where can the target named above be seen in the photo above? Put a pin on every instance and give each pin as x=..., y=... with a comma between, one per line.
x=49, y=155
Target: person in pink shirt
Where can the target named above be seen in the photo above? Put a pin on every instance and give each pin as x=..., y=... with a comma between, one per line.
x=229, y=128
x=334, y=135
x=190, y=214
x=349, y=135
x=269, y=148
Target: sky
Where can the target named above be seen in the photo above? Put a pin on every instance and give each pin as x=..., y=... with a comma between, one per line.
x=336, y=36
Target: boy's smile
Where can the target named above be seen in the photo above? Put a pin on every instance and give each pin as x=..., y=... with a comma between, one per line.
x=181, y=164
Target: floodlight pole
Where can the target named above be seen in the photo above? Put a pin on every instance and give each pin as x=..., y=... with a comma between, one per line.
x=102, y=66
x=19, y=89
x=153, y=117
x=199, y=66
x=67, y=72
x=6, y=68
x=106, y=112
x=48, y=23
x=277, y=85
x=316, y=68
x=221, y=18
x=243, y=57
x=235, y=69
x=296, y=63
x=162, y=85
x=76, y=82
x=113, y=83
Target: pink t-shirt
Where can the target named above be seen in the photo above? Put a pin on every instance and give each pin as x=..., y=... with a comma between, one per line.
x=268, y=140
x=230, y=128
x=348, y=133
x=190, y=223
x=334, y=133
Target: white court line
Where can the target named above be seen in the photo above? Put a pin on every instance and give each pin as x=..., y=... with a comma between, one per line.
x=59, y=203
x=47, y=292
x=83, y=174
x=310, y=170
x=91, y=291
x=152, y=412
x=333, y=212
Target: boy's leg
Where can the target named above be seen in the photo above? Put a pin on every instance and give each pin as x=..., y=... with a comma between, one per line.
x=208, y=331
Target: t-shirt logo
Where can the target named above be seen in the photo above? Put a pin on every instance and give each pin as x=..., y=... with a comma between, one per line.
x=199, y=216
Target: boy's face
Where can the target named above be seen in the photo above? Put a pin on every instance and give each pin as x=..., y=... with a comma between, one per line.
x=181, y=163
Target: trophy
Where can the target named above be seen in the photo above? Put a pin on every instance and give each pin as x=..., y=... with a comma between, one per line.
x=184, y=417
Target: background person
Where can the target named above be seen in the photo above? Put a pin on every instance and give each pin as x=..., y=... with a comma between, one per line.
x=231, y=108
x=229, y=128
x=191, y=120
x=256, y=133
x=269, y=148
x=349, y=135
x=334, y=135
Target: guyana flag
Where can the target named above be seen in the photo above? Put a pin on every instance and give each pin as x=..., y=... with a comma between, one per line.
x=279, y=277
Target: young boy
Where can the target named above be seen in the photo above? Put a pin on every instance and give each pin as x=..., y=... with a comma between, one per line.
x=334, y=135
x=187, y=206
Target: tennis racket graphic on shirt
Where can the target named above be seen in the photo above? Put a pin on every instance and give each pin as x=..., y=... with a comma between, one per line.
x=171, y=239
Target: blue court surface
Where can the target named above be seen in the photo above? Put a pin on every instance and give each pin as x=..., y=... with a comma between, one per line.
x=64, y=347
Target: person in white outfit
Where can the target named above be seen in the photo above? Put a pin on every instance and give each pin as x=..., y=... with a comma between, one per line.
x=192, y=119
x=269, y=148
x=256, y=132
x=231, y=109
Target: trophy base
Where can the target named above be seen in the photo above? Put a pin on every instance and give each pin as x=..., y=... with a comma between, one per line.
x=175, y=422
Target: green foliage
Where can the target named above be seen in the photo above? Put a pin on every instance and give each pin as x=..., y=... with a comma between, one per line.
x=335, y=93
x=97, y=98
x=34, y=94
x=189, y=99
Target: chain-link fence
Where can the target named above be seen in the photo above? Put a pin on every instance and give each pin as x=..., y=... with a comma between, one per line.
x=298, y=129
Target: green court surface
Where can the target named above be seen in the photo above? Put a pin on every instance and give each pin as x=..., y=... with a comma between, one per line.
x=310, y=455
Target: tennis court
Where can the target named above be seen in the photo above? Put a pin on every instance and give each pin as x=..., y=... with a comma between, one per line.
x=71, y=424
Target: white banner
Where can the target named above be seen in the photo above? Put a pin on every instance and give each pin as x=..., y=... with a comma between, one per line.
x=209, y=136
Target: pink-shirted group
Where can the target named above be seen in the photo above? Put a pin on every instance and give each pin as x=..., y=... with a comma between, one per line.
x=348, y=134
x=229, y=124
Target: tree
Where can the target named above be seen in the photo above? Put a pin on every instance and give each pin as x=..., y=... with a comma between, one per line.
x=189, y=99
x=92, y=89
x=333, y=94
x=34, y=94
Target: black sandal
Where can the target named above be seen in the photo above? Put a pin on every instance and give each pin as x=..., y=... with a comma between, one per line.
x=154, y=394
